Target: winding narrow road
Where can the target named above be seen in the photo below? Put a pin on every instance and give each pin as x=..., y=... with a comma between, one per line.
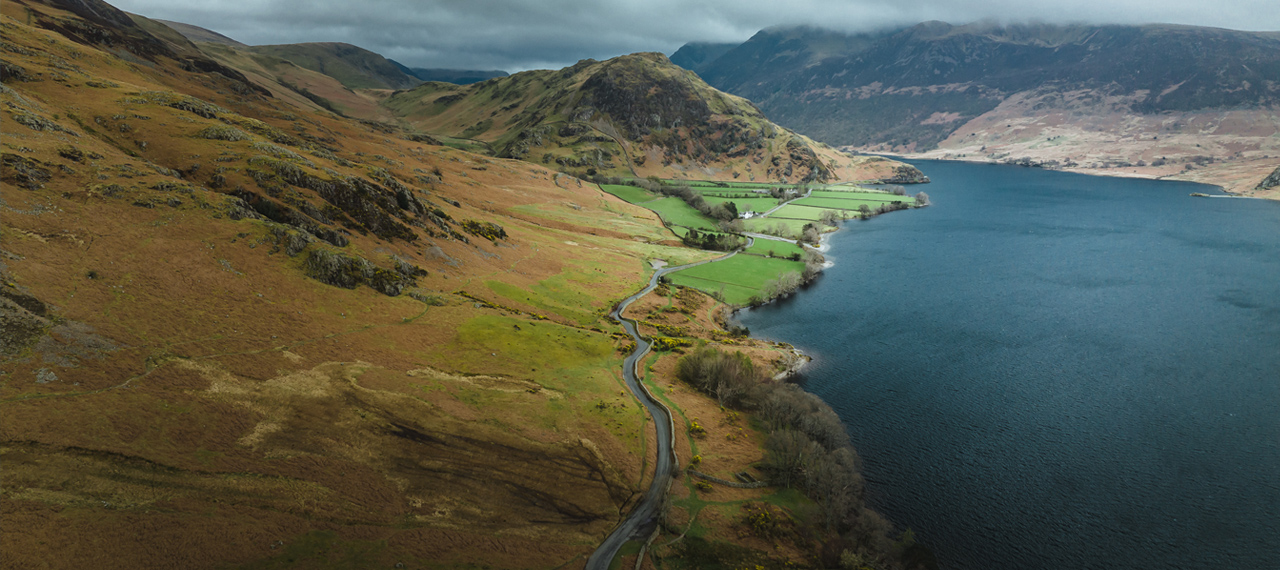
x=641, y=521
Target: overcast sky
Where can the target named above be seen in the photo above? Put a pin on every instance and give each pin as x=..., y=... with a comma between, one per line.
x=516, y=35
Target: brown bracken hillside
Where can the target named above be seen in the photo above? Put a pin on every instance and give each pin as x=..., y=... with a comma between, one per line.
x=244, y=331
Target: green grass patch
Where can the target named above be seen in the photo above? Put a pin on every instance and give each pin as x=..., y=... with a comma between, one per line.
x=737, y=278
x=630, y=194
x=469, y=145
x=839, y=204
x=754, y=204
x=854, y=195
x=323, y=548
x=553, y=355
x=796, y=212
x=767, y=225
x=557, y=294
x=788, y=498
x=779, y=248
x=674, y=211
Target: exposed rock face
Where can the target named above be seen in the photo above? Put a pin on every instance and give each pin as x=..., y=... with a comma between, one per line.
x=640, y=99
x=349, y=272
x=1270, y=181
x=23, y=172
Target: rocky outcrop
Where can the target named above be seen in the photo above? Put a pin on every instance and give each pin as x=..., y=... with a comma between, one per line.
x=640, y=98
x=906, y=174
x=1270, y=181
x=23, y=172
x=342, y=270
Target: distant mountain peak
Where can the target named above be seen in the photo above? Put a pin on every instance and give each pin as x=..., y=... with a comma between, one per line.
x=633, y=115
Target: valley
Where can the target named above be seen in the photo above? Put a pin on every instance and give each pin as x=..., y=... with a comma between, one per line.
x=257, y=317
x=300, y=305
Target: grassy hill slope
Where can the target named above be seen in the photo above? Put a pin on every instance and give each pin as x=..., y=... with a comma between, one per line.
x=240, y=331
x=355, y=67
x=200, y=35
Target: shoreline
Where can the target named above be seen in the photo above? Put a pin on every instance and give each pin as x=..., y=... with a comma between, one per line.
x=802, y=359
x=1084, y=171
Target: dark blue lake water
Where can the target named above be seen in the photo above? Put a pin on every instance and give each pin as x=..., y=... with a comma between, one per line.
x=1058, y=371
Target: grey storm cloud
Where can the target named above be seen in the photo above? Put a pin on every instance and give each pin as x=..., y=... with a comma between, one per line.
x=516, y=35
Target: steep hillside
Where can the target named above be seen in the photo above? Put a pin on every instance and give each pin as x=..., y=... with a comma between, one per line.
x=200, y=35
x=1105, y=98
x=694, y=55
x=635, y=115
x=355, y=67
x=242, y=332
x=284, y=79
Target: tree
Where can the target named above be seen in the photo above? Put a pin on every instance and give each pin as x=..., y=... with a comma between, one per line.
x=788, y=455
x=865, y=210
x=922, y=199
x=811, y=235
x=829, y=217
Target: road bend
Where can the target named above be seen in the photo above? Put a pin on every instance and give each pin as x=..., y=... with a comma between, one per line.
x=644, y=518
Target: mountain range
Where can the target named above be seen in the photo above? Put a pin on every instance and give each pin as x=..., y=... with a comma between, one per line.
x=1157, y=100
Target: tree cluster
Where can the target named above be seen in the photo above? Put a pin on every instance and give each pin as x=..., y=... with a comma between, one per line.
x=729, y=376
x=807, y=449
x=711, y=241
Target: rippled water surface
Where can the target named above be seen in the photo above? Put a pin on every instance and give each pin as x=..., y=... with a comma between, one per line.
x=1048, y=370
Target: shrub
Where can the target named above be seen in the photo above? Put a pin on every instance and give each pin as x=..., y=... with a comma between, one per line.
x=761, y=519
x=663, y=343
x=487, y=230
x=223, y=133
x=696, y=429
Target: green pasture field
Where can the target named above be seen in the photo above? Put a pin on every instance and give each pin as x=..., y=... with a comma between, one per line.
x=674, y=211
x=779, y=248
x=850, y=195
x=835, y=204
x=629, y=193
x=759, y=225
x=794, y=212
x=757, y=204
x=739, y=277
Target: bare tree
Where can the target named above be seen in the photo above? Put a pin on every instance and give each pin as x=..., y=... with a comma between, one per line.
x=829, y=217
x=811, y=235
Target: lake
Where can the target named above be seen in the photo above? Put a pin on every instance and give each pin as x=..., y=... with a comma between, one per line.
x=1059, y=371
